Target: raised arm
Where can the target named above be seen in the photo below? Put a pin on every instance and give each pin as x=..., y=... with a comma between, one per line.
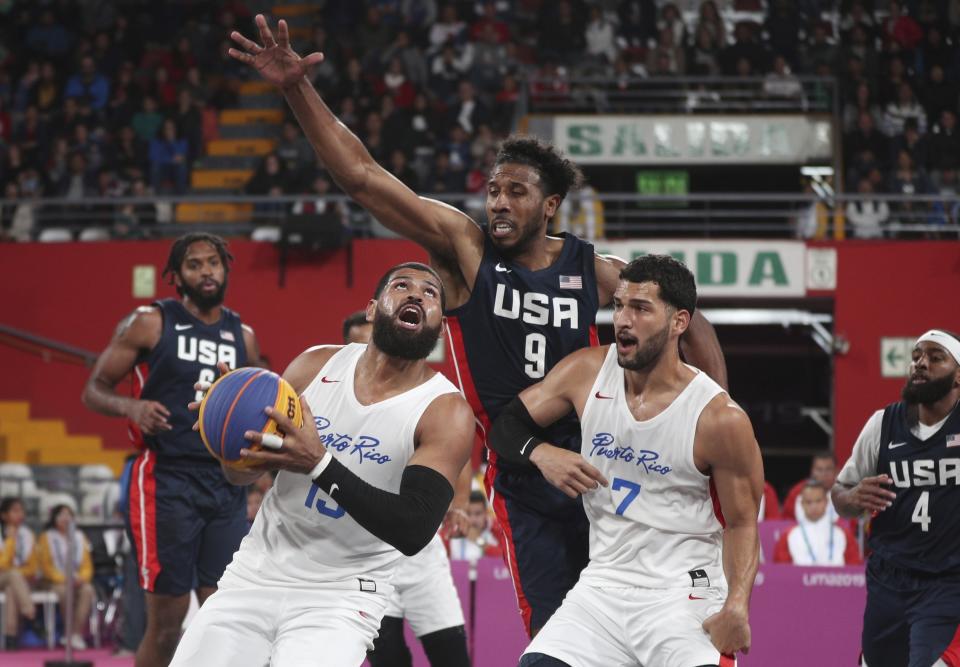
x=445, y=232
x=137, y=333
x=698, y=345
x=517, y=433
x=726, y=448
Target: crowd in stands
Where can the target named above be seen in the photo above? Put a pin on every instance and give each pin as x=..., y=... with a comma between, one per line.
x=95, y=101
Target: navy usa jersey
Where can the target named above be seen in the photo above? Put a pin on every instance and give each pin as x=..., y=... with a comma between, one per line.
x=921, y=529
x=188, y=351
x=517, y=324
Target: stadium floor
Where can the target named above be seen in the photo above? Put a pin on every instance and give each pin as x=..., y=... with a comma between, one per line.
x=36, y=658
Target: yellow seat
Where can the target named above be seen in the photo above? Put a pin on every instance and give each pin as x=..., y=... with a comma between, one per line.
x=285, y=11
x=240, y=146
x=213, y=212
x=256, y=88
x=220, y=178
x=247, y=116
x=17, y=410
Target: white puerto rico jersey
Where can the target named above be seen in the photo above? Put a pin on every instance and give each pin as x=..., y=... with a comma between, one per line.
x=301, y=536
x=655, y=525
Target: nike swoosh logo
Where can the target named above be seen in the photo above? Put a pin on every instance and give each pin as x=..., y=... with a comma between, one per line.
x=327, y=380
x=501, y=268
x=899, y=444
x=599, y=395
x=524, y=448
x=694, y=597
x=333, y=487
x=182, y=327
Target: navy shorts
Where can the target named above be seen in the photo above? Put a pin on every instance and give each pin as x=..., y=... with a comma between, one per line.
x=546, y=541
x=187, y=521
x=911, y=620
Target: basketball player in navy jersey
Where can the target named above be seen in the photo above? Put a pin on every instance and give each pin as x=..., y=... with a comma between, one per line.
x=518, y=301
x=905, y=470
x=186, y=520
x=671, y=479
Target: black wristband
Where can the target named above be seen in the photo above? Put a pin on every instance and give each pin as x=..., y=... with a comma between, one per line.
x=515, y=434
x=408, y=520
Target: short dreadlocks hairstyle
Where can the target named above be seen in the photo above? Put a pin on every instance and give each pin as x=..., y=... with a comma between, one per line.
x=558, y=175
x=179, y=250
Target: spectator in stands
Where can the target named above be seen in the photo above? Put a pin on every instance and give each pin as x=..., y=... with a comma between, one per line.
x=638, y=22
x=671, y=19
x=89, y=85
x=18, y=568
x=479, y=540
x=488, y=17
x=327, y=211
x=77, y=183
x=401, y=169
x=446, y=71
x=781, y=27
x=293, y=149
x=148, y=120
x=410, y=56
x=863, y=102
x=448, y=29
x=857, y=16
x=865, y=148
x=745, y=47
x=703, y=57
x=49, y=37
x=867, y=217
x=46, y=92
x=823, y=469
x=934, y=52
x=600, y=36
x=939, y=94
x=900, y=29
x=134, y=221
x=189, y=124
x=54, y=557
x=125, y=96
x=709, y=20
x=816, y=540
x=769, y=503
x=169, y=159
x=819, y=51
x=897, y=113
x=667, y=57
x=945, y=143
x=911, y=141
x=781, y=83
x=490, y=61
x=561, y=33
x=354, y=84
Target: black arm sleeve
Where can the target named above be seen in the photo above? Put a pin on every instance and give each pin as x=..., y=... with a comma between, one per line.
x=408, y=520
x=514, y=435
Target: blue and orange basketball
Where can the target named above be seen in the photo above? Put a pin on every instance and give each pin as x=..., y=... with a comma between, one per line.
x=234, y=405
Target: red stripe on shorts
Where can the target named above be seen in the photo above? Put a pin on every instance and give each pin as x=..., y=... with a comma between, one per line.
x=143, y=518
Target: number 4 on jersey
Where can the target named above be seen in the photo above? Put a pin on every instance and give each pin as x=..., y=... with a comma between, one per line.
x=921, y=513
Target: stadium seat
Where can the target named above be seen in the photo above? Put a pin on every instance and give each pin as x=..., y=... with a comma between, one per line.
x=94, y=477
x=16, y=480
x=94, y=234
x=266, y=234
x=50, y=499
x=55, y=235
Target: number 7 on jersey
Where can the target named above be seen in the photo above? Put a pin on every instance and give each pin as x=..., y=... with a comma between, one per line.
x=633, y=490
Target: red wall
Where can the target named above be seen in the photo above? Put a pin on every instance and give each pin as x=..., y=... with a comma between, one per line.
x=885, y=289
x=76, y=293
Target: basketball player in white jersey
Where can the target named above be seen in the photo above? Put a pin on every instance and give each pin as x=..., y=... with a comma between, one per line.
x=671, y=479
x=423, y=589
x=365, y=480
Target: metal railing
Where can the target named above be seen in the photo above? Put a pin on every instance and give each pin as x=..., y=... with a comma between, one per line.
x=678, y=94
x=622, y=215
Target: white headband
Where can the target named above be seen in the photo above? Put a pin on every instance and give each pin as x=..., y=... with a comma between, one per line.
x=944, y=340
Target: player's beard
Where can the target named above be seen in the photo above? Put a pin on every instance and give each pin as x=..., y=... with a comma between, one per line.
x=929, y=392
x=205, y=301
x=527, y=235
x=401, y=343
x=648, y=353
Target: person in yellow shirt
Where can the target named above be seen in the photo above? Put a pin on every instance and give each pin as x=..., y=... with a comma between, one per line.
x=52, y=555
x=18, y=567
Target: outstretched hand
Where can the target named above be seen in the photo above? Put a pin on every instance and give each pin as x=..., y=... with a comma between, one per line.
x=274, y=59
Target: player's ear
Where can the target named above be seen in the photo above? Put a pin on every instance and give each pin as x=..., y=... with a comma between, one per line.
x=443, y=325
x=681, y=320
x=551, y=204
x=371, y=310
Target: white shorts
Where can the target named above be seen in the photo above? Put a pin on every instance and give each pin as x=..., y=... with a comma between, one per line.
x=632, y=627
x=423, y=591
x=254, y=626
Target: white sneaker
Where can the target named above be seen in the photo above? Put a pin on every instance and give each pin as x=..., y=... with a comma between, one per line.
x=77, y=643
